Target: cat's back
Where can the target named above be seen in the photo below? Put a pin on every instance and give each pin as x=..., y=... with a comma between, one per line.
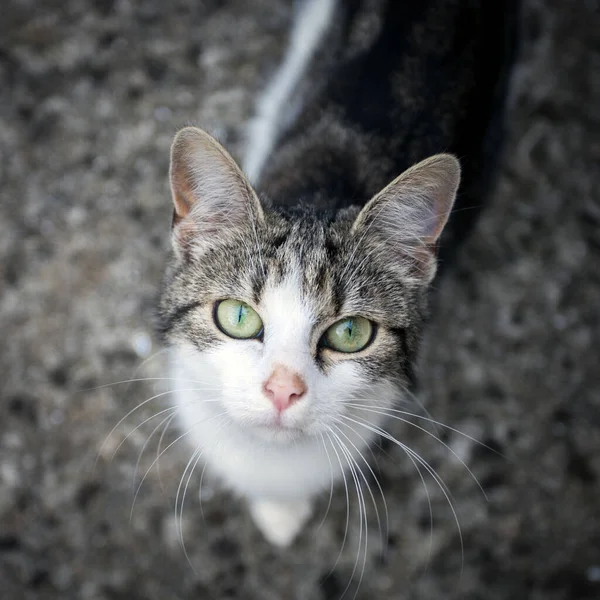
x=432, y=78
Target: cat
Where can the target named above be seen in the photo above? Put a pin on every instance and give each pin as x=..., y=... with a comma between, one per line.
x=298, y=288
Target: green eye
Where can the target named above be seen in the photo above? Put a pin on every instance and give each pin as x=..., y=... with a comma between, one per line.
x=236, y=319
x=349, y=335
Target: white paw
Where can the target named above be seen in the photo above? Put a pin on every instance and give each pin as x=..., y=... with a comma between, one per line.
x=280, y=522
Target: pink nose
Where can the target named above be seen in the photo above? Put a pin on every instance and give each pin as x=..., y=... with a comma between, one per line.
x=284, y=387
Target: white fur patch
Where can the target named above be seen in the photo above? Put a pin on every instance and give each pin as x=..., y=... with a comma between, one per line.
x=279, y=522
x=308, y=30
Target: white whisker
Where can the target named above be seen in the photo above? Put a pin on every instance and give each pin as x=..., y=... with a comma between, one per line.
x=440, y=482
x=436, y=438
x=331, y=486
x=192, y=463
x=345, y=480
x=200, y=490
x=141, y=453
x=160, y=441
x=137, y=407
x=141, y=379
x=382, y=537
x=160, y=412
x=186, y=433
x=362, y=510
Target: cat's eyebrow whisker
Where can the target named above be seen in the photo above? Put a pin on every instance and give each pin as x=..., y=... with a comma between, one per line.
x=359, y=266
x=436, y=438
x=241, y=238
x=439, y=481
x=387, y=521
x=225, y=214
x=362, y=513
x=259, y=253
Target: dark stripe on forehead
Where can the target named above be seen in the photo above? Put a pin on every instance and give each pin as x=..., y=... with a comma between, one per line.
x=257, y=283
x=278, y=241
x=400, y=334
x=320, y=281
x=338, y=295
x=331, y=249
x=406, y=355
x=254, y=278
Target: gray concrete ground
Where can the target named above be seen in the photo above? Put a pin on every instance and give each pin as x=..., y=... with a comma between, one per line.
x=91, y=94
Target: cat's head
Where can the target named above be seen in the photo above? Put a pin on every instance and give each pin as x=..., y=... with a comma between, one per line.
x=287, y=320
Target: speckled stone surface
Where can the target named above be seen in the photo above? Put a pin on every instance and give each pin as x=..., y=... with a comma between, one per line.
x=91, y=94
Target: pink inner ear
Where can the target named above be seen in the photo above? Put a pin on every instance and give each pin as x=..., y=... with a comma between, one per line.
x=433, y=183
x=184, y=231
x=211, y=197
x=176, y=219
x=183, y=198
x=434, y=221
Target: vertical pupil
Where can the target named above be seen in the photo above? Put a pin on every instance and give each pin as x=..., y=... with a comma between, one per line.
x=350, y=328
x=240, y=314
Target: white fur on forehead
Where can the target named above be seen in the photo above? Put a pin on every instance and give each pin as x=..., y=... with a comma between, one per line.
x=289, y=318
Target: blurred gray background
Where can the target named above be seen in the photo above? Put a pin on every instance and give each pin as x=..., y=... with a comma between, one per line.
x=91, y=94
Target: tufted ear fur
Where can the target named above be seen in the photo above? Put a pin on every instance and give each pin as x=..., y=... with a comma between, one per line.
x=406, y=218
x=211, y=196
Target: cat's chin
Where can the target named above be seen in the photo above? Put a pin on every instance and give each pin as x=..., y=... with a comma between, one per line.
x=278, y=433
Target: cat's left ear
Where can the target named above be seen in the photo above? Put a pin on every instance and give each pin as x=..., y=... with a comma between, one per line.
x=212, y=199
x=404, y=221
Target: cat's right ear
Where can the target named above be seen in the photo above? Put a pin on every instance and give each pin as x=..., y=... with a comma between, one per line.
x=404, y=221
x=212, y=198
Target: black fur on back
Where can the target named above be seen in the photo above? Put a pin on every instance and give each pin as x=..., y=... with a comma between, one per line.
x=433, y=79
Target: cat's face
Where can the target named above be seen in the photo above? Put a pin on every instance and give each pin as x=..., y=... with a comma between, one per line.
x=323, y=326
x=287, y=321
